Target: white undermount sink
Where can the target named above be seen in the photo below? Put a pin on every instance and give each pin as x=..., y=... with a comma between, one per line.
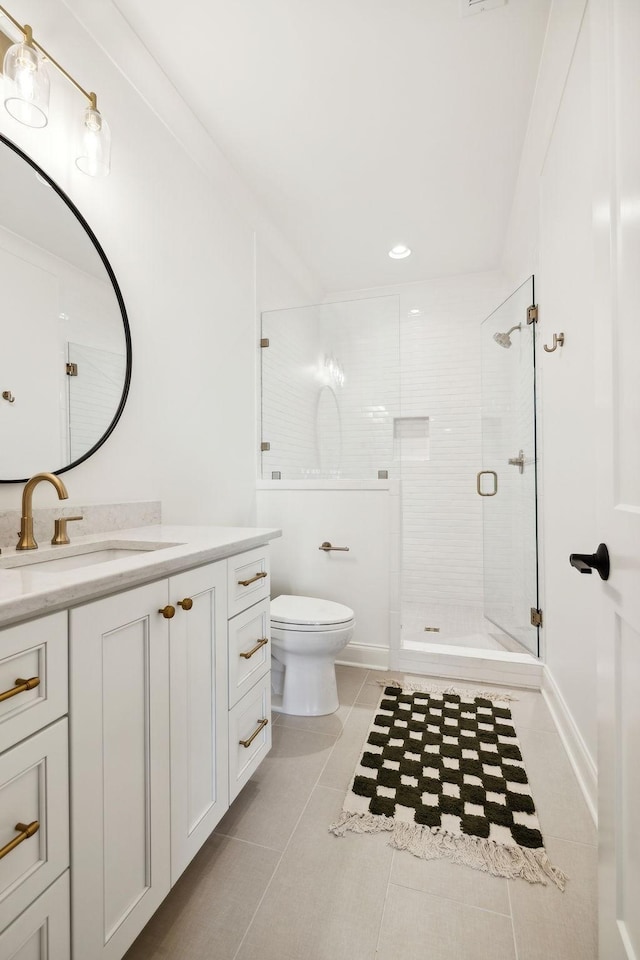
x=74, y=557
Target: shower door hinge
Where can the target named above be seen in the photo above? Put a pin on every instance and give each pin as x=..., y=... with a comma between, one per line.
x=536, y=617
x=72, y=369
x=265, y=446
x=532, y=313
x=264, y=342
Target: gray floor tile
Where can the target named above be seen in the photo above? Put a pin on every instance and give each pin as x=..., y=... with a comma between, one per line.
x=226, y=874
x=326, y=897
x=417, y=926
x=348, y=749
x=530, y=710
x=441, y=878
x=268, y=807
x=561, y=807
x=551, y=924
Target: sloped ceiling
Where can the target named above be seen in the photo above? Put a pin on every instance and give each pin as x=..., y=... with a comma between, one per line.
x=362, y=123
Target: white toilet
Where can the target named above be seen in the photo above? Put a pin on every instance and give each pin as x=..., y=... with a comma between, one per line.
x=307, y=634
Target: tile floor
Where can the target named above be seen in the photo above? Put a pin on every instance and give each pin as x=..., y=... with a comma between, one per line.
x=272, y=883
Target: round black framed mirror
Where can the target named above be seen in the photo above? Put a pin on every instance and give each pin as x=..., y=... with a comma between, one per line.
x=65, y=362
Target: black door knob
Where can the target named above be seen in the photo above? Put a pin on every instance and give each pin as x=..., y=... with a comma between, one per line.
x=586, y=562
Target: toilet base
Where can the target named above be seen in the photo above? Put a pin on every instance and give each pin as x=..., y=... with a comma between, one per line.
x=310, y=689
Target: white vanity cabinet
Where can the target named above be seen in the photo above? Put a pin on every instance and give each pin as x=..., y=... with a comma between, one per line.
x=167, y=689
x=156, y=755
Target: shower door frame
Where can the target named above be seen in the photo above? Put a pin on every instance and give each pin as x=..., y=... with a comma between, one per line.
x=531, y=323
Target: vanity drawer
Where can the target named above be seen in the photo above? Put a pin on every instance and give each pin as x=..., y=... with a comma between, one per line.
x=249, y=656
x=33, y=787
x=32, y=650
x=42, y=931
x=248, y=578
x=246, y=719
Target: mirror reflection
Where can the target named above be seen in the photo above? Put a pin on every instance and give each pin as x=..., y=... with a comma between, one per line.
x=66, y=355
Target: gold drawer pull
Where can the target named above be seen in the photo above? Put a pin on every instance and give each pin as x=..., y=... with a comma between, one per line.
x=255, y=649
x=186, y=604
x=258, y=576
x=261, y=725
x=167, y=612
x=20, y=687
x=26, y=830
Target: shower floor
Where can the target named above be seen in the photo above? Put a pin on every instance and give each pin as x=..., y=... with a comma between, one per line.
x=460, y=625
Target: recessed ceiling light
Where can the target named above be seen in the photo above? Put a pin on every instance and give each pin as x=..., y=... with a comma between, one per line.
x=399, y=252
x=415, y=312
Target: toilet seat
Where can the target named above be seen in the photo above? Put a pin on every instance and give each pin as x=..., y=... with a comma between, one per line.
x=308, y=614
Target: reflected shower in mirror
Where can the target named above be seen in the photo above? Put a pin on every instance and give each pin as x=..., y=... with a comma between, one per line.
x=66, y=351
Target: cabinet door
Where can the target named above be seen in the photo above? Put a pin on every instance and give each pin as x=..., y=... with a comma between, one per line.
x=249, y=649
x=198, y=640
x=248, y=578
x=42, y=931
x=249, y=735
x=119, y=708
x=34, y=792
x=36, y=652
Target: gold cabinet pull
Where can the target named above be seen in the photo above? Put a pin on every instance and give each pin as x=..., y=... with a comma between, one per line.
x=261, y=725
x=260, y=643
x=258, y=576
x=26, y=830
x=186, y=604
x=167, y=612
x=20, y=687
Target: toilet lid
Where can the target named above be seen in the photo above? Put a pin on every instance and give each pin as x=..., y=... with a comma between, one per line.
x=309, y=610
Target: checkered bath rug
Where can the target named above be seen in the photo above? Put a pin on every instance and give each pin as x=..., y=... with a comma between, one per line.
x=442, y=771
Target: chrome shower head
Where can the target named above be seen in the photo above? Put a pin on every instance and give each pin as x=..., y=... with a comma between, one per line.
x=504, y=339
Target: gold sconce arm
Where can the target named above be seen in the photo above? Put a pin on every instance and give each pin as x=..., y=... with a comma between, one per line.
x=27, y=33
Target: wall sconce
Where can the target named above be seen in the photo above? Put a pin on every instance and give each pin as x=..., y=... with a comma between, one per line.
x=26, y=99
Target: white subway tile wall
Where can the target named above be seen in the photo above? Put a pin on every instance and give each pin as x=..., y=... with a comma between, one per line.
x=395, y=383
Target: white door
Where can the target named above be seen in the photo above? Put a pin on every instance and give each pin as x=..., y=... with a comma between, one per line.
x=615, y=46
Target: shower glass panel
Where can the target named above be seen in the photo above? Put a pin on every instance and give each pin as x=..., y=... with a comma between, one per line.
x=509, y=465
x=330, y=390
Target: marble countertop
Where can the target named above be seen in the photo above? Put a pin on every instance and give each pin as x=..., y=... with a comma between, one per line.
x=27, y=591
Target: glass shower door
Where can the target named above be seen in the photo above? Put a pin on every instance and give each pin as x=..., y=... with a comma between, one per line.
x=507, y=482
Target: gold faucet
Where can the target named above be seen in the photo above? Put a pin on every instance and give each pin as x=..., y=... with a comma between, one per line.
x=27, y=540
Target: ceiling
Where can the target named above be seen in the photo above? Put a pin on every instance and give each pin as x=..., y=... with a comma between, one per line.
x=361, y=124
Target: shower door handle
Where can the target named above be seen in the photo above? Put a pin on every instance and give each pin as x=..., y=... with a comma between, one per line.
x=517, y=461
x=490, y=473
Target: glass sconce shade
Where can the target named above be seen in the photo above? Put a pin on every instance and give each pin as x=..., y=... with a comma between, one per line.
x=26, y=85
x=94, y=151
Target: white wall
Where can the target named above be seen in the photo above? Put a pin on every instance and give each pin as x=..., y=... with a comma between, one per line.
x=178, y=228
x=362, y=516
x=551, y=235
x=569, y=438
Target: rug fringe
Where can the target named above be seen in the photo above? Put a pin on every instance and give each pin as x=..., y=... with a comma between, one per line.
x=415, y=686
x=432, y=844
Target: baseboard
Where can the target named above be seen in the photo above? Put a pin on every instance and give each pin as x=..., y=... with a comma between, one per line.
x=583, y=764
x=365, y=655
